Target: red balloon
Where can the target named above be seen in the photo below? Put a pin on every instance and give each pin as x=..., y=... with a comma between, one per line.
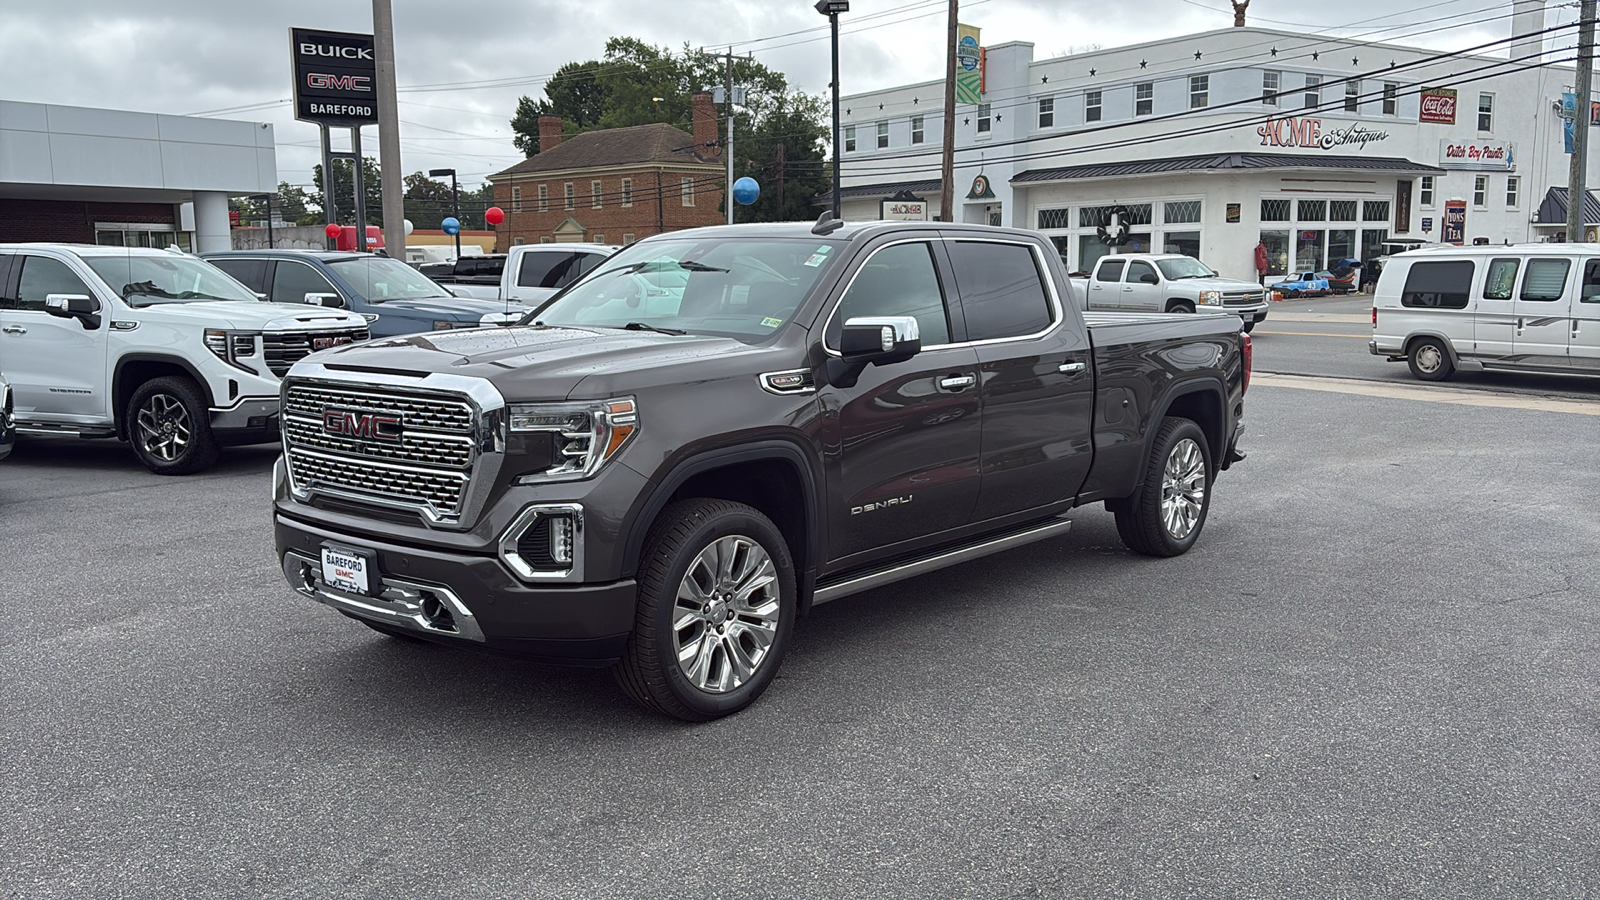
x=333, y=231
x=494, y=215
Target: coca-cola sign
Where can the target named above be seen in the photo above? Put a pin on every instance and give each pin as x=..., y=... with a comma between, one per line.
x=1438, y=105
x=1490, y=156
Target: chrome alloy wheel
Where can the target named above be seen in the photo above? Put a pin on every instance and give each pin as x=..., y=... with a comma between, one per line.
x=725, y=617
x=164, y=427
x=1183, y=489
x=1429, y=358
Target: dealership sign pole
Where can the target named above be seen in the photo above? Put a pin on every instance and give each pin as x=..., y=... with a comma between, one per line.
x=335, y=76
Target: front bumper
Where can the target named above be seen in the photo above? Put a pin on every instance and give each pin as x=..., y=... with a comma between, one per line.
x=251, y=420
x=465, y=599
x=1253, y=312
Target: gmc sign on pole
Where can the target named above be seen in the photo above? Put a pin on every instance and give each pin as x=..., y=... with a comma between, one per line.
x=335, y=77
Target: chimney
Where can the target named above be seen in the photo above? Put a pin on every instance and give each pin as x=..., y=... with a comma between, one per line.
x=549, y=132
x=1527, y=17
x=706, y=134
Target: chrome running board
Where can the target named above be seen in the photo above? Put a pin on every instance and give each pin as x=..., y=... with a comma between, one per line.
x=912, y=568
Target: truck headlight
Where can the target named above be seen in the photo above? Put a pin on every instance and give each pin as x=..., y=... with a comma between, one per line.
x=1210, y=296
x=582, y=437
x=232, y=346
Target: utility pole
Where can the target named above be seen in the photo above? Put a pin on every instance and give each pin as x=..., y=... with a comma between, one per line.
x=390, y=176
x=947, y=168
x=1576, y=189
x=727, y=193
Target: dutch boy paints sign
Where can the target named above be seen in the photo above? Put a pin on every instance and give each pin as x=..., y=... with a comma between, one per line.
x=1481, y=155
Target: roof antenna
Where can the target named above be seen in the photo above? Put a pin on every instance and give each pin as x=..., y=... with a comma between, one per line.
x=827, y=224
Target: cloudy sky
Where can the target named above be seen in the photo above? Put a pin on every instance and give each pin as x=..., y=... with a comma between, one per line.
x=462, y=65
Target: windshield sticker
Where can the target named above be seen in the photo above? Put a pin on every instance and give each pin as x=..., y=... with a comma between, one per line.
x=817, y=259
x=770, y=322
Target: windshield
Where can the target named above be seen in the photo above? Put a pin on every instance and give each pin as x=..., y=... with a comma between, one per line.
x=380, y=278
x=1184, y=267
x=740, y=288
x=146, y=280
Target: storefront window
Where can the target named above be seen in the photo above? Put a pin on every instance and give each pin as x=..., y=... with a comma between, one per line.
x=1341, y=245
x=1341, y=210
x=1375, y=211
x=1185, y=242
x=1274, y=209
x=1277, y=244
x=1055, y=218
x=1062, y=243
x=1090, y=249
x=1313, y=210
x=1308, y=251
x=1181, y=211
x=1372, y=242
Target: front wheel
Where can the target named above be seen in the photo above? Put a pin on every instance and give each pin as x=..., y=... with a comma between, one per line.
x=716, y=605
x=170, y=428
x=1165, y=517
x=1430, y=361
x=1181, y=308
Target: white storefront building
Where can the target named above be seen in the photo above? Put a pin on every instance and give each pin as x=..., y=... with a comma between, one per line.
x=1242, y=146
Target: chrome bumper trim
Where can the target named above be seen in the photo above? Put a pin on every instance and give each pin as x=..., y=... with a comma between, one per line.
x=400, y=603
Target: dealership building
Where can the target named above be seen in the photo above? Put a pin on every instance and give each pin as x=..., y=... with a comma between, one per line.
x=101, y=176
x=1260, y=151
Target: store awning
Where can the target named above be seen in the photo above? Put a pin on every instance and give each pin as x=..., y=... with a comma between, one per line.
x=1553, y=211
x=1227, y=162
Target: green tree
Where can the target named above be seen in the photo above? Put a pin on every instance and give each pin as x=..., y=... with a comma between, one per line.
x=427, y=201
x=294, y=205
x=344, y=190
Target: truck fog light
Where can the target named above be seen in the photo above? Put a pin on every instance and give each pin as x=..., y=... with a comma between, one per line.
x=561, y=539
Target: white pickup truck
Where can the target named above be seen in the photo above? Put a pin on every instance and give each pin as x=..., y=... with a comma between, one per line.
x=155, y=347
x=531, y=274
x=1163, y=282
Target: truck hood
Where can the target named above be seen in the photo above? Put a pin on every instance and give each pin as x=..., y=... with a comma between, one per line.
x=462, y=308
x=249, y=316
x=528, y=363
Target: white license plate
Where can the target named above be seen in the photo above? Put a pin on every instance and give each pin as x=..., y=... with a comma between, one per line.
x=344, y=570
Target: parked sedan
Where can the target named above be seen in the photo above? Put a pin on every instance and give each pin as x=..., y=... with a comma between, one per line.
x=393, y=297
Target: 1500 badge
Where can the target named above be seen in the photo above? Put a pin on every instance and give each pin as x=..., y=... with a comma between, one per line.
x=880, y=504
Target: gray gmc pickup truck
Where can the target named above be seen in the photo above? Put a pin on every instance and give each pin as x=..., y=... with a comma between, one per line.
x=671, y=461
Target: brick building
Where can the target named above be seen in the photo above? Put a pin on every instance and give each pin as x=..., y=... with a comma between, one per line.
x=614, y=186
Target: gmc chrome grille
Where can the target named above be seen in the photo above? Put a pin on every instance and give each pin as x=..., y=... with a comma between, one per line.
x=391, y=447
x=283, y=349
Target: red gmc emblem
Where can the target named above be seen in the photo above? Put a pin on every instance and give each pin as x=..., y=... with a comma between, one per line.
x=365, y=426
x=323, y=343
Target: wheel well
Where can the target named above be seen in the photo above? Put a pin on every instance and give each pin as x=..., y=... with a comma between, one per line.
x=1449, y=349
x=1176, y=302
x=772, y=486
x=133, y=373
x=1205, y=408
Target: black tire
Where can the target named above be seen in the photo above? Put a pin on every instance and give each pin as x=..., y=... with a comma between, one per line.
x=649, y=670
x=1181, y=307
x=1429, y=360
x=1141, y=523
x=169, y=427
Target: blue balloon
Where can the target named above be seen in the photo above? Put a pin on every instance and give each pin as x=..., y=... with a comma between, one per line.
x=745, y=191
x=450, y=225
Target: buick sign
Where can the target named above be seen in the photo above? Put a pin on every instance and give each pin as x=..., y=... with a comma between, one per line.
x=334, y=76
x=386, y=427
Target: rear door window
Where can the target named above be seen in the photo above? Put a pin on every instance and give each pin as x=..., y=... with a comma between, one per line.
x=1110, y=270
x=1546, y=279
x=252, y=273
x=1438, y=285
x=1501, y=280
x=548, y=270
x=1002, y=290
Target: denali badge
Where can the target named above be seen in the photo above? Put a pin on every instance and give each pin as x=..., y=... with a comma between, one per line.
x=366, y=426
x=323, y=343
x=880, y=504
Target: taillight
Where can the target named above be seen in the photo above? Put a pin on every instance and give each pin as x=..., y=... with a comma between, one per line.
x=1249, y=360
x=1374, y=317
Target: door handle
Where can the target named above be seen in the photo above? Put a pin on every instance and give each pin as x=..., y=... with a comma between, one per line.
x=956, y=383
x=1071, y=368
x=14, y=329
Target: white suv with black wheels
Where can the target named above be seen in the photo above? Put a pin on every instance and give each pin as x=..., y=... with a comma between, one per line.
x=154, y=347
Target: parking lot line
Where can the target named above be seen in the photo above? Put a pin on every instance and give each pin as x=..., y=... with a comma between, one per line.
x=1427, y=394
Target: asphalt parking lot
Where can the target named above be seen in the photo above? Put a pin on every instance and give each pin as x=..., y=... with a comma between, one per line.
x=1374, y=676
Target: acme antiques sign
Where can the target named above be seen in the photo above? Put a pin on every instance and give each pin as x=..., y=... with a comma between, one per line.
x=1300, y=132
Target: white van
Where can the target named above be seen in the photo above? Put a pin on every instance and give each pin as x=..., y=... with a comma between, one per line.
x=1528, y=307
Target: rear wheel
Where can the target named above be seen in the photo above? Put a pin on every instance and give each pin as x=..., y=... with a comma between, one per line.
x=1430, y=361
x=716, y=605
x=1166, y=516
x=169, y=427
